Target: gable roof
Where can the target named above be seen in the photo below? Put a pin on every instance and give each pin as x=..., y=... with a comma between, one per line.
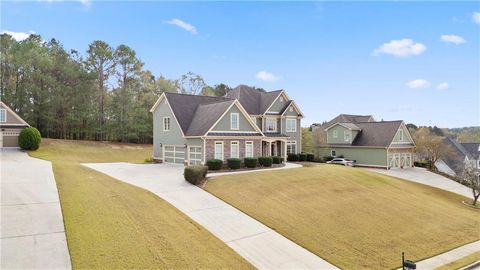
x=16, y=124
x=472, y=149
x=206, y=115
x=457, y=159
x=349, y=118
x=349, y=126
x=376, y=133
x=196, y=115
x=254, y=101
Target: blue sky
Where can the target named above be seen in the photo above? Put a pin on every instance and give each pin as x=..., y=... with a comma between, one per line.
x=415, y=61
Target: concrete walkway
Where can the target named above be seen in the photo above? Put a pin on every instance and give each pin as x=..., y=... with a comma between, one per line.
x=448, y=257
x=32, y=230
x=423, y=176
x=258, y=244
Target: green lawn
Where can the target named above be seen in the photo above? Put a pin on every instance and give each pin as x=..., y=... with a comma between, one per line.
x=352, y=218
x=113, y=225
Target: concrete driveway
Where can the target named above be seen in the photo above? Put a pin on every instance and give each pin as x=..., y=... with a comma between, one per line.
x=423, y=176
x=258, y=244
x=32, y=230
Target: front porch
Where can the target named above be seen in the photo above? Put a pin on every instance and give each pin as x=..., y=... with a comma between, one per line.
x=272, y=147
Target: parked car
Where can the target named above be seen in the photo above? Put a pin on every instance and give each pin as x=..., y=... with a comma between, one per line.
x=342, y=161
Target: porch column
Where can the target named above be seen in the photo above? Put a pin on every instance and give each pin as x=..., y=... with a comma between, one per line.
x=284, y=150
x=269, y=149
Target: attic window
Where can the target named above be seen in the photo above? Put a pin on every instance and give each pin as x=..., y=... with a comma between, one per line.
x=335, y=134
x=400, y=136
x=291, y=109
x=281, y=99
x=347, y=135
x=234, y=121
x=3, y=115
x=166, y=123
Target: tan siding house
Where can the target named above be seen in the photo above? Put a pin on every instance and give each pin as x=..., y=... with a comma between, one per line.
x=10, y=126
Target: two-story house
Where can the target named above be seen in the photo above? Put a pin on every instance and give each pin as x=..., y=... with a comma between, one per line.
x=383, y=144
x=190, y=129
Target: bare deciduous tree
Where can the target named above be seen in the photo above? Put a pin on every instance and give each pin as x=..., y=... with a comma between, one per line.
x=430, y=146
x=471, y=178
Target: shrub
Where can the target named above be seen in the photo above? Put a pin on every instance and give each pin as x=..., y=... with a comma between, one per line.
x=293, y=157
x=251, y=162
x=302, y=157
x=266, y=161
x=277, y=160
x=341, y=156
x=195, y=174
x=234, y=163
x=29, y=138
x=423, y=164
x=214, y=164
x=149, y=160
x=310, y=157
x=318, y=160
x=327, y=158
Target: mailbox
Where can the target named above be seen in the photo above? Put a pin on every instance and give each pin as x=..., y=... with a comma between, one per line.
x=409, y=265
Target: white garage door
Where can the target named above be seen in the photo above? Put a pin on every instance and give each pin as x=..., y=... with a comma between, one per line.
x=400, y=160
x=195, y=155
x=174, y=154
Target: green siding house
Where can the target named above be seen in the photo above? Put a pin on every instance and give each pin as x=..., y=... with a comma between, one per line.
x=382, y=144
x=190, y=129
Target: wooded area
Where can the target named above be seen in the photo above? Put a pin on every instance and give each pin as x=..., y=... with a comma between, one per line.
x=105, y=94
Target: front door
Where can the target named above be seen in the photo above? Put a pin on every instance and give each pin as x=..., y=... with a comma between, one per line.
x=273, y=150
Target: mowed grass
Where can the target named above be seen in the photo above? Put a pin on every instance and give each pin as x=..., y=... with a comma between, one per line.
x=467, y=260
x=113, y=225
x=350, y=217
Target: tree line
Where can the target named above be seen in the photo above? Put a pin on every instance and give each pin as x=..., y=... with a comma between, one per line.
x=105, y=94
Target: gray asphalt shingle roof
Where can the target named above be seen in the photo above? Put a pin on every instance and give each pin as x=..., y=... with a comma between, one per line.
x=196, y=114
x=376, y=133
x=255, y=102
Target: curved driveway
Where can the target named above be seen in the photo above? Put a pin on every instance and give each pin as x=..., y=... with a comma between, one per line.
x=32, y=230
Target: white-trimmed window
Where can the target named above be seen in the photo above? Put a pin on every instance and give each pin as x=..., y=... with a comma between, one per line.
x=291, y=109
x=248, y=149
x=478, y=164
x=166, y=123
x=291, y=125
x=333, y=153
x=3, y=115
x=234, y=149
x=335, y=134
x=218, y=150
x=271, y=125
x=400, y=135
x=281, y=99
x=347, y=135
x=234, y=123
x=291, y=147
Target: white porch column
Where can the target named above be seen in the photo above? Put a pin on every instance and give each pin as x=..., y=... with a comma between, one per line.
x=284, y=150
x=269, y=149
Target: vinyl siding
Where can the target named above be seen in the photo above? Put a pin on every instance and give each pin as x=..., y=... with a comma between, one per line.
x=340, y=135
x=278, y=105
x=224, y=123
x=365, y=156
x=406, y=139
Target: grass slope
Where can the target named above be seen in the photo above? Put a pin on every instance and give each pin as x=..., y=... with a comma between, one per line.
x=113, y=225
x=350, y=217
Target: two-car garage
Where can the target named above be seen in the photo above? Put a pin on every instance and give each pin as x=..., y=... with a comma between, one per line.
x=181, y=154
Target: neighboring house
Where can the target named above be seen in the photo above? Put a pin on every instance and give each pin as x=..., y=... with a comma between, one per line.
x=10, y=124
x=383, y=144
x=464, y=153
x=190, y=129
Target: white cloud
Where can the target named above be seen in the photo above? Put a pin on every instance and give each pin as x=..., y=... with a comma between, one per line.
x=184, y=25
x=443, y=86
x=418, y=84
x=476, y=17
x=18, y=36
x=453, y=39
x=400, y=48
x=267, y=76
x=86, y=3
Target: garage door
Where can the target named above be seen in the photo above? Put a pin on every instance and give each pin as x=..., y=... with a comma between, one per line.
x=195, y=155
x=174, y=154
x=400, y=160
x=9, y=138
